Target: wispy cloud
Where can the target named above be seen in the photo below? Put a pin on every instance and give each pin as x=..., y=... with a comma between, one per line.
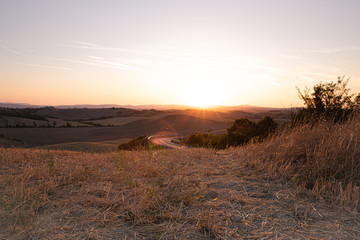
x=11, y=50
x=184, y=58
x=106, y=64
x=290, y=56
x=88, y=44
x=143, y=60
x=269, y=80
x=45, y=66
x=96, y=57
x=334, y=50
x=319, y=74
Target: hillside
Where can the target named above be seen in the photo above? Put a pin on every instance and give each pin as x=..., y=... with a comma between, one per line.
x=303, y=183
x=181, y=124
x=48, y=125
x=167, y=194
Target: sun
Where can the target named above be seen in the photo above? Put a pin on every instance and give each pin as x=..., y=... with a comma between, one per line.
x=203, y=90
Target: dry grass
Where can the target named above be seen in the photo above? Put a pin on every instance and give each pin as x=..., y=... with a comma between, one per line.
x=324, y=158
x=61, y=190
x=89, y=147
x=254, y=192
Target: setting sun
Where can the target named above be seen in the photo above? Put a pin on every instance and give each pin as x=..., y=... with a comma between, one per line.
x=203, y=89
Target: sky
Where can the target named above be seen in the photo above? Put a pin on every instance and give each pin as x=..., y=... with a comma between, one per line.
x=188, y=52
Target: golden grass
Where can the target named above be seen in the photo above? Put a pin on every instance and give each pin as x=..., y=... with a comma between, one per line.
x=259, y=191
x=324, y=158
x=132, y=187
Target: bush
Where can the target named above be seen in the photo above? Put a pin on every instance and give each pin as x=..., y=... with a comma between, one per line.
x=209, y=140
x=244, y=130
x=328, y=101
x=139, y=143
x=266, y=126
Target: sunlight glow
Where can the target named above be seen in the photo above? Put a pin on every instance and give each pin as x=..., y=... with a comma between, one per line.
x=203, y=89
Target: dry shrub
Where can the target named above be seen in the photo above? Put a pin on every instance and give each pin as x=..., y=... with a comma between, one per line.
x=324, y=158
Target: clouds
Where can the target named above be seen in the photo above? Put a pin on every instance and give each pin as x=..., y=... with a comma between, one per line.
x=272, y=68
x=99, y=62
x=335, y=49
x=163, y=55
x=45, y=66
x=160, y=72
x=11, y=50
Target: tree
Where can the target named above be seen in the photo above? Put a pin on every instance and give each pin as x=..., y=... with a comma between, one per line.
x=242, y=131
x=327, y=100
x=266, y=126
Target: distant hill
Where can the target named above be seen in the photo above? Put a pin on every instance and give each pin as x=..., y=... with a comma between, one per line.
x=93, y=106
x=19, y=105
x=79, y=114
x=50, y=125
x=247, y=108
x=179, y=123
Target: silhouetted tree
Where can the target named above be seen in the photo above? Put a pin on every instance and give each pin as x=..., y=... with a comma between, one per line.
x=330, y=101
x=241, y=131
x=209, y=140
x=266, y=126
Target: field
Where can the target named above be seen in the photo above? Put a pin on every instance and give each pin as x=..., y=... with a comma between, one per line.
x=71, y=182
x=48, y=126
x=301, y=184
x=88, y=147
